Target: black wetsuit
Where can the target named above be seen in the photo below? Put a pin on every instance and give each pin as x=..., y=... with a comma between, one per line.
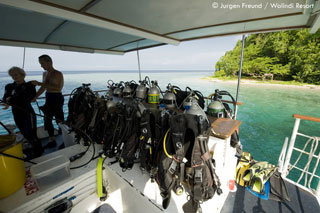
x=20, y=96
x=52, y=107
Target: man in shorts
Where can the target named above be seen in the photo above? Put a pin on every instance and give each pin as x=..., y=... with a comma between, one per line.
x=52, y=83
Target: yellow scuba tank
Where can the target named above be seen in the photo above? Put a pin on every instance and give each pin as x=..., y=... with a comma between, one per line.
x=154, y=93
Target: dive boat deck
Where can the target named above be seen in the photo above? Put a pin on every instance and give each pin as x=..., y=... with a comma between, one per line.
x=243, y=201
x=132, y=191
x=129, y=191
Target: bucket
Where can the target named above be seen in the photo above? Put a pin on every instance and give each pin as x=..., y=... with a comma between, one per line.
x=12, y=171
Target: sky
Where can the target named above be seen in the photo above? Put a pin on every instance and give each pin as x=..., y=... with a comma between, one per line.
x=191, y=55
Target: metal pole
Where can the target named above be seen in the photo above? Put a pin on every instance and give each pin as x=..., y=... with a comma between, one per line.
x=139, y=65
x=24, y=57
x=240, y=69
x=239, y=74
x=290, y=148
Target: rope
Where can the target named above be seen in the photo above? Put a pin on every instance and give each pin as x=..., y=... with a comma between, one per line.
x=313, y=148
x=316, y=166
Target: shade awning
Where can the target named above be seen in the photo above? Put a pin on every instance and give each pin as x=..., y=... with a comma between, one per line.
x=120, y=26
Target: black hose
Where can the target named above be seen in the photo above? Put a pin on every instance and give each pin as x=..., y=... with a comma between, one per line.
x=15, y=157
x=147, y=77
x=38, y=107
x=160, y=90
x=4, y=126
x=92, y=157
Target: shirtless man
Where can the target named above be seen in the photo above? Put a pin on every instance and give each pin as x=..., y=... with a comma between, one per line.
x=52, y=83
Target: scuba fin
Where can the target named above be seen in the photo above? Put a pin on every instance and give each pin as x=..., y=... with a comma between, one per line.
x=63, y=205
x=265, y=195
x=259, y=180
x=166, y=200
x=278, y=189
x=253, y=170
x=243, y=164
x=258, y=174
x=192, y=207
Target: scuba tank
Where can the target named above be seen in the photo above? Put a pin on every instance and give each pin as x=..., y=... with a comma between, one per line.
x=127, y=91
x=118, y=90
x=111, y=104
x=218, y=109
x=154, y=93
x=110, y=87
x=192, y=107
x=141, y=91
x=109, y=100
x=169, y=99
x=109, y=93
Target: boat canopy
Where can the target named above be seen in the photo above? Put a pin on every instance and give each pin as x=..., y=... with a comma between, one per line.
x=120, y=26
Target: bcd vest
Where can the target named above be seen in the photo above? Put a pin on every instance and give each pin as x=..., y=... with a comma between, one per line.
x=81, y=108
x=186, y=160
x=154, y=123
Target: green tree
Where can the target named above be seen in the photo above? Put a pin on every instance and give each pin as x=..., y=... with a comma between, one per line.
x=289, y=55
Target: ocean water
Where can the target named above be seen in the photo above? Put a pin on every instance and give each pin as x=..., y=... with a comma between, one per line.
x=266, y=113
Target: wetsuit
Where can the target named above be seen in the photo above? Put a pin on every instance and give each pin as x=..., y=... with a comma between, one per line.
x=52, y=107
x=20, y=96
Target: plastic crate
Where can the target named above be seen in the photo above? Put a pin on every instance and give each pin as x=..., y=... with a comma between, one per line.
x=50, y=172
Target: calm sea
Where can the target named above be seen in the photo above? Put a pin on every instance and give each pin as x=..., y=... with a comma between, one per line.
x=266, y=113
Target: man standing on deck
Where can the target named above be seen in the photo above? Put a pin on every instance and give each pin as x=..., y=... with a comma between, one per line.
x=52, y=83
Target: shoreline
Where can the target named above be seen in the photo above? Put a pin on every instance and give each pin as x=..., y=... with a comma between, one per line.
x=255, y=82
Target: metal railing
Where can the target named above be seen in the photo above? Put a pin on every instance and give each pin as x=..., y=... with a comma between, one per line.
x=284, y=160
x=105, y=90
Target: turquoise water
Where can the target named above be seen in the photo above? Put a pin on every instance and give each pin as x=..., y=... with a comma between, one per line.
x=266, y=113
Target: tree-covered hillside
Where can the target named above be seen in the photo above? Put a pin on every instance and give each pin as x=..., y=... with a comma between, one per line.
x=288, y=55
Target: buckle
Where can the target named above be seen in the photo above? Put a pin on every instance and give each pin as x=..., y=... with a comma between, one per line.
x=198, y=175
x=177, y=134
x=173, y=167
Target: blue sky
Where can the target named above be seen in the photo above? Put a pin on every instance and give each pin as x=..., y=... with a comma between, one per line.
x=192, y=55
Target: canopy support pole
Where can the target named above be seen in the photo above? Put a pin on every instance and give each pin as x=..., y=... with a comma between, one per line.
x=24, y=57
x=239, y=74
x=139, y=65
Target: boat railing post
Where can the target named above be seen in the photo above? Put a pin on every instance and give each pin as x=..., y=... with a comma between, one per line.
x=235, y=112
x=282, y=156
x=318, y=189
x=290, y=148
